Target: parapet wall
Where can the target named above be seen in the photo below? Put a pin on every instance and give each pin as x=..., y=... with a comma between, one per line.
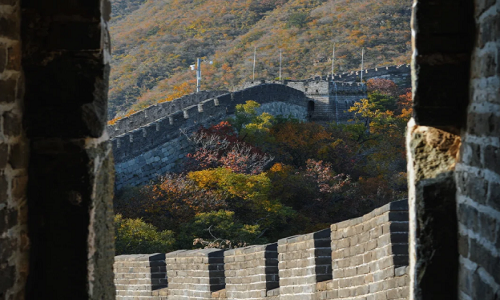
x=359, y=259
x=332, y=100
x=399, y=74
x=158, y=111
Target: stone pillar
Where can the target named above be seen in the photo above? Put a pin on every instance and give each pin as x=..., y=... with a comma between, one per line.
x=194, y=274
x=65, y=60
x=442, y=42
x=304, y=260
x=140, y=275
x=251, y=271
x=14, y=149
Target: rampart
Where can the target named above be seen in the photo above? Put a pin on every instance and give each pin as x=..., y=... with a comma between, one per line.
x=158, y=147
x=358, y=259
x=158, y=111
x=401, y=75
x=149, y=143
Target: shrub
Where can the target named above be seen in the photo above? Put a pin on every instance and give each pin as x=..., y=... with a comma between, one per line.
x=134, y=236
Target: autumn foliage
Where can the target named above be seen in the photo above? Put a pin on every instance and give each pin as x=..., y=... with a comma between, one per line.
x=155, y=42
x=256, y=178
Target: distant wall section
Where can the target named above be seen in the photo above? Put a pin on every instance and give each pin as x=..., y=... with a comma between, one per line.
x=158, y=147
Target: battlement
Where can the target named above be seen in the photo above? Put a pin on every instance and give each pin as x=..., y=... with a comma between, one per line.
x=158, y=111
x=400, y=74
x=361, y=258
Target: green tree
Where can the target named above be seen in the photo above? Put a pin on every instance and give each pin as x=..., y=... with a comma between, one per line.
x=134, y=236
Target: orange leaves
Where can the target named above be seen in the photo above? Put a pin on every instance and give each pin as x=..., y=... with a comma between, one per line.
x=179, y=91
x=151, y=44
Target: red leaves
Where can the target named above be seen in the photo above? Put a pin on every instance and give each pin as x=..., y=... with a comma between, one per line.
x=384, y=86
x=219, y=146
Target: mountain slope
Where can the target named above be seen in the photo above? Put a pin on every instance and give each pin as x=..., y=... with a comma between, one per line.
x=155, y=41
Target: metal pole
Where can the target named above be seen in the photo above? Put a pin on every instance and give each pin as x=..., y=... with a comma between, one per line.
x=280, y=64
x=198, y=74
x=253, y=71
x=362, y=63
x=333, y=58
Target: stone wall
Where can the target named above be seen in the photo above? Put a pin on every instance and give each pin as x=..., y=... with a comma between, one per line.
x=140, y=275
x=159, y=147
x=370, y=255
x=65, y=63
x=332, y=100
x=251, y=271
x=453, y=146
x=158, y=111
x=304, y=260
x=478, y=169
x=358, y=259
x=14, y=150
x=401, y=75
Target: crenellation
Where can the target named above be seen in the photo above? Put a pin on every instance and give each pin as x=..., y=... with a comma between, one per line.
x=296, y=267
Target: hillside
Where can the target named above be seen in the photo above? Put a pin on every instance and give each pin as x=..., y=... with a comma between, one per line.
x=154, y=42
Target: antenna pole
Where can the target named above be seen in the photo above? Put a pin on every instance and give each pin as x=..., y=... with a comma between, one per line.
x=253, y=71
x=280, y=64
x=333, y=58
x=198, y=74
x=362, y=62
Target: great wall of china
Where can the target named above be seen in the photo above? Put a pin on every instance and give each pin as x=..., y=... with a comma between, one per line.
x=365, y=258
x=149, y=143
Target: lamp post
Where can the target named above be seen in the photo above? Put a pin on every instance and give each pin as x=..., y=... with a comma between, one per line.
x=333, y=58
x=254, y=56
x=280, y=64
x=198, y=71
x=362, y=62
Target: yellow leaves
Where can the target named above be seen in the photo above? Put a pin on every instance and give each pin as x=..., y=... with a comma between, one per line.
x=179, y=91
x=237, y=185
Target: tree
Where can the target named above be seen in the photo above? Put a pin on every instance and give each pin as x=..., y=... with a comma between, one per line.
x=219, y=146
x=134, y=236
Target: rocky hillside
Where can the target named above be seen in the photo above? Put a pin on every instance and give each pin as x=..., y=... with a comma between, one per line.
x=155, y=42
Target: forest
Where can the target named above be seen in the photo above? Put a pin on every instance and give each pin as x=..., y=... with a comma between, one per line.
x=154, y=43
x=255, y=178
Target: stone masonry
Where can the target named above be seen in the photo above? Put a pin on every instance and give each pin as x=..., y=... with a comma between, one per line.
x=477, y=172
x=251, y=271
x=140, y=275
x=14, y=149
x=359, y=259
x=304, y=260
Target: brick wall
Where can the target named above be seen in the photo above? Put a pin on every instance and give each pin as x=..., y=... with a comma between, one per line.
x=195, y=274
x=370, y=255
x=140, y=275
x=13, y=158
x=65, y=61
x=251, y=271
x=359, y=259
x=304, y=260
x=478, y=170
